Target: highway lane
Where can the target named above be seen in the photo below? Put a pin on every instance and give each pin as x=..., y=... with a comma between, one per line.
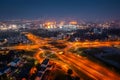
x=92, y=69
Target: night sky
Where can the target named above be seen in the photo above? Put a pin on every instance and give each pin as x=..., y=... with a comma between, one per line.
x=90, y=10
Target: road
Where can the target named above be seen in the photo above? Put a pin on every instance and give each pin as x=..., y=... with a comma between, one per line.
x=91, y=69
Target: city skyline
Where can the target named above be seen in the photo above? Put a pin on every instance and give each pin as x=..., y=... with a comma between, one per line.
x=94, y=10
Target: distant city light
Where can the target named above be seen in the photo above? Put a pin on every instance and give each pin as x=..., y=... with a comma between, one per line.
x=73, y=23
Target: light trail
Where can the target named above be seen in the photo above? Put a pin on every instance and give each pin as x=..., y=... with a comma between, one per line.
x=88, y=67
x=93, y=70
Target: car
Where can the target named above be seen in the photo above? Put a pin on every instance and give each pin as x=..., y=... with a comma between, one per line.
x=61, y=52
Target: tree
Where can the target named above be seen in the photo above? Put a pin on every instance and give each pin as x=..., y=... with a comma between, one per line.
x=77, y=78
x=70, y=72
